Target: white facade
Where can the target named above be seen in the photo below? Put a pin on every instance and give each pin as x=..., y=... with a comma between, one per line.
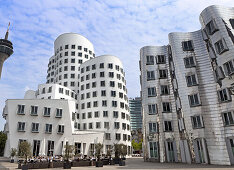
x=72, y=107
x=201, y=75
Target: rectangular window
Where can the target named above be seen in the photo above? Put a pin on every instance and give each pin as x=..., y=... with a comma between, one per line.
x=152, y=127
x=35, y=127
x=84, y=126
x=34, y=110
x=112, y=84
x=111, y=74
x=110, y=65
x=106, y=125
x=90, y=125
x=101, y=65
x=114, y=103
x=61, y=90
x=194, y=100
x=103, y=93
x=162, y=74
x=113, y=93
x=152, y=108
x=89, y=114
x=122, y=115
x=94, y=94
x=59, y=113
x=150, y=75
x=124, y=126
x=93, y=75
x=20, y=109
x=115, y=114
x=83, y=116
x=21, y=126
x=124, y=137
x=102, y=83
x=116, y=125
x=149, y=60
x=93, y=67
x=164, y=90
x=166, y=107
x=197, y=121
x=220, y=46
x=189, y=62
x=96, y=114
x=105, y=113
x=118, y=136
x=108, y=136
x=168, y=126
x=61, y=129
x=151, y=92
x=191, y=80
x=48, y=128
x=211, y=27
x=228, y=118
x=102, y=74
x=228, y=67
x=46, y=111
x=187, y=45
x=224, y=95
x=161, y=59
x=95, y=104
x=98, y=125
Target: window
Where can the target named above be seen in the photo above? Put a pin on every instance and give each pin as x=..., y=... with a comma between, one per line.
x=122, y=115
x=61, y=90
x=161, y=59
x=162, y=74
x=113, y=93
x=108, y=136
x=66, y=46
x=94, y=94
x=164, y=90
x=72, y=68
x=93, y=67
x=115, y=114
x=61, y=129
x=124, y=126
x=66, y=53
x=87, y=68
x=72, y=76
x=187, y=45
x=228, y=118
x=83, y=116
x=124, y=137
x=93, y=84
x=46, y=111
x=103, y=93
x=121, y=95
x=191, y=80
x=35, y=127
x=79, y=47
x=105, y=113
x=59, y=112
x=95, y=104
x=84, y=126
x=166, y=107
x=65, y=77
x=110, y=65
x=228, y=67
x=89, y=114
x=189, y=62
x=96, y=114
x=72, y=83
x=151, y=92
x=34, y=110
x=112, y=84
x=114, y=103
x=152, y=108
x=149, y=60
x=152, y=127
x=111, y=74
x=117, y=136
x=73, y=53
x=102, y=84
x=150, y=75
x=153, y=149
x=197, y=121
x=50, y=90
x=73, y=47
x=106, y=125
x=98, y=125
x=90, y=125
x=116, y=125
x=194, y=100
x=211, y=27
x=101, y=65
x=220, y=46
x=85, y=49
x=168, y=126
x=48, y=128
x=102, y=74
x=66, y=60
x=73, y=60
x=21, y=126
x=93, y=75
x=224, y=95
x=20, y=109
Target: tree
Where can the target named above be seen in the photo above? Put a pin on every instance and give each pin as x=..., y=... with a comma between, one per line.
x=98, y=150
x=68, y=151
x=137, y=146
x=120, y=150
x=25, y=150
x=3, y=138
x=13, y=152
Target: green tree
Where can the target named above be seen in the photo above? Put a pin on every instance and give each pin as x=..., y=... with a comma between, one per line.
x=3, y=138
x=68, y=151
x=137, y=146
x=25, y=150
x=98, y=150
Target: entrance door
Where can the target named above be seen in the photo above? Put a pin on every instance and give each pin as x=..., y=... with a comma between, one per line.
x=153, y=150
x=77, y=148
x=50, y=151
x=185, y=152
x=171, y=151
x=36, y=147
x=200, y=150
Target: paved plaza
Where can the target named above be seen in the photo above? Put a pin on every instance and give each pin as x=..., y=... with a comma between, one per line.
x=135, y=163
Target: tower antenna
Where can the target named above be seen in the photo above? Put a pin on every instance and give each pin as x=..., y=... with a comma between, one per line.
x=7, y=33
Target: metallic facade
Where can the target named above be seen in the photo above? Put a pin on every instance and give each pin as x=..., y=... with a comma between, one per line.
x=200, y=78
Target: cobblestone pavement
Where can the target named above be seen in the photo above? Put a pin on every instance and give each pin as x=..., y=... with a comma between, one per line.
x=135, y=163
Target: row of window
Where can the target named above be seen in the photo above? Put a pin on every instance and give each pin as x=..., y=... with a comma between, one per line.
x=34, y=111
x=159, y=59
x=98, y=125
x=35, y=128
x=102, y=75
x=118, y=136
x=73, y=46
x=163, y=88
x=104, y=103
x=166, y=108
x=101, y=65
x=162, y=75
x=105, y=114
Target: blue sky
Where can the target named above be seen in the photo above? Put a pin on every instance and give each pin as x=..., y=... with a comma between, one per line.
x=119, y=27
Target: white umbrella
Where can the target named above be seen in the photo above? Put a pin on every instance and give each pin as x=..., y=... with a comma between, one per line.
x=42, y=148
x=64, y=143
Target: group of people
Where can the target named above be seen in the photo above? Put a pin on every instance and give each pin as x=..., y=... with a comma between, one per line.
x=45, y=158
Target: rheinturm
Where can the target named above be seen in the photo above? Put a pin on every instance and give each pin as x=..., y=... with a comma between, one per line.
x=6, y=49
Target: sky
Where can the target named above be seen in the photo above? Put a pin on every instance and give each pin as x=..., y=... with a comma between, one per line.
x=116, y=27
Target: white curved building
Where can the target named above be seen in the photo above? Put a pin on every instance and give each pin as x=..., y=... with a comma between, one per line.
x=201, y=71
x=83, y=102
